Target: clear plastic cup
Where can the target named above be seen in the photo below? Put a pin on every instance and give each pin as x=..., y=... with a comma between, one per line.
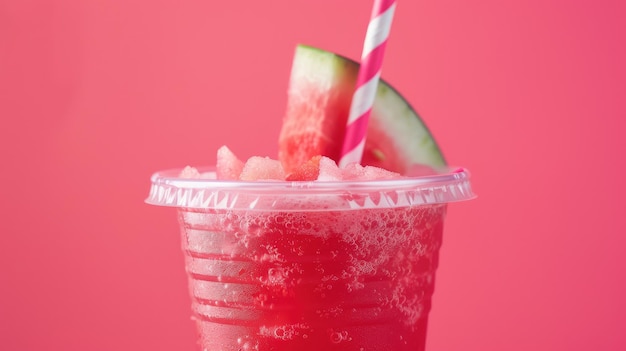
x=278, y=265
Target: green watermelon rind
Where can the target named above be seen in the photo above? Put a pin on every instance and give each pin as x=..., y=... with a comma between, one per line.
x=397, y=113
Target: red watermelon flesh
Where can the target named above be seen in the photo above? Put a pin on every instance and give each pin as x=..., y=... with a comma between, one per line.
x=319, y=96
x=309, y=170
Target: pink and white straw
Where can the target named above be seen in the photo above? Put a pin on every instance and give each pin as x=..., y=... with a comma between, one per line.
x=367, y=81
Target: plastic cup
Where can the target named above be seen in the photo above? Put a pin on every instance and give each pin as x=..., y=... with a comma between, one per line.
x=276, y=265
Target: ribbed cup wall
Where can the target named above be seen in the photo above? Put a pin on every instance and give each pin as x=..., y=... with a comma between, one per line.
x=342, y=280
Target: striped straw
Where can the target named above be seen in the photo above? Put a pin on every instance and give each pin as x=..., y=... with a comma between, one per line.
x=367, y=81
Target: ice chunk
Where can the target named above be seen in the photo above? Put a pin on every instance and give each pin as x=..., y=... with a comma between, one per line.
x=190, y=173
x=328, y=170
x=376, y=173
x=262, y=168
x=229, y=166
x=353, y=171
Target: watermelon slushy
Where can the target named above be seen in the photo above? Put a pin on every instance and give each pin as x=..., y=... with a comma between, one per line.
x=295, y=253
x=311, y=265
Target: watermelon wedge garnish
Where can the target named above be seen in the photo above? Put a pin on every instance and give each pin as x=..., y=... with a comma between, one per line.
x=318, y=104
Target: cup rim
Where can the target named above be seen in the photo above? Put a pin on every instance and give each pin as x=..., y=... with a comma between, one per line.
x=450, y=184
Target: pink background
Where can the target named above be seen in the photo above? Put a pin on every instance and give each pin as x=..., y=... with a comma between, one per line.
x=96, y=95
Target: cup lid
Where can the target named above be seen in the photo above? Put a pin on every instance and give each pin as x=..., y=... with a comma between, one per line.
x=207, y=192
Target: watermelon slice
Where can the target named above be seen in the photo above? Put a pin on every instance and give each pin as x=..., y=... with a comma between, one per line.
x=318, y=104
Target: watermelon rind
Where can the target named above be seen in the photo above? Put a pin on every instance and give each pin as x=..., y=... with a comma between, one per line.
x=392, y=116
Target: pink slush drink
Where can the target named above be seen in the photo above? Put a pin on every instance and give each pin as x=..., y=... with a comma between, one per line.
x=311, y=265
